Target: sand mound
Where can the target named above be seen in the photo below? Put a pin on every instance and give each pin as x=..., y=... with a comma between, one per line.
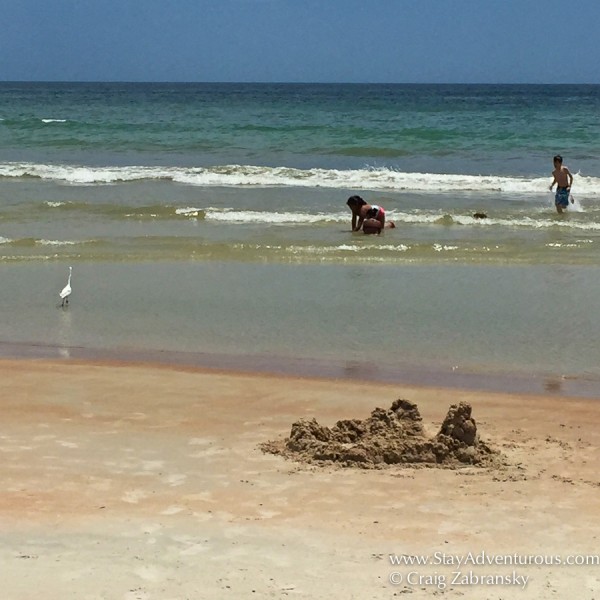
x=387, y=437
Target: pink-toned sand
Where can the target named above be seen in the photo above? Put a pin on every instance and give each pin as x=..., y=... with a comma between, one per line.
x=146, y=482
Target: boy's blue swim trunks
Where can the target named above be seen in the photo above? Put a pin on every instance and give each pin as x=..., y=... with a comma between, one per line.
x=562, y=197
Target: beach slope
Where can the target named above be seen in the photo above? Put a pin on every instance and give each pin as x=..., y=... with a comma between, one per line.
x=133, y=481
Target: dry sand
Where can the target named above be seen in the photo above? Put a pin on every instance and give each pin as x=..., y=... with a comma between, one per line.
x=145, y=482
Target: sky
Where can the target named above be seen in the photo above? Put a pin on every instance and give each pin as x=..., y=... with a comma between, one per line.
x=362, y=41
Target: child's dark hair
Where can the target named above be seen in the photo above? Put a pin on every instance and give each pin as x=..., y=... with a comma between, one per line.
x=558, y=158
x=355, y=201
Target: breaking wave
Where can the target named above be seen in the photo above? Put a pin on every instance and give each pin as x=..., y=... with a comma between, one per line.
x=259, y=176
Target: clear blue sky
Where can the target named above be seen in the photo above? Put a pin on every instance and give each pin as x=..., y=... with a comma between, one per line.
x=480, y=41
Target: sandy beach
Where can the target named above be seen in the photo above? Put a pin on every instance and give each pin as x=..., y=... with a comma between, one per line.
x=140, y=481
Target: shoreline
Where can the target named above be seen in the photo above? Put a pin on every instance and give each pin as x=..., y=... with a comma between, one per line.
x=406, y=374
x=156, y=475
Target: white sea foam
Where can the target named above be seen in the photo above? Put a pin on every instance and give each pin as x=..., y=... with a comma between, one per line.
x=256, y=176
x=417, y=218
x=370, y=247
x=189, y=211
x=367, y=249
x=55, y=243
x=249, y=216
x=54, y=120
x=548, y=223
x=444, y=247
x=426, y=218
x=575, y=206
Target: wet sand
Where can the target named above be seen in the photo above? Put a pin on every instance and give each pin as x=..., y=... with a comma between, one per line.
x=132, y=481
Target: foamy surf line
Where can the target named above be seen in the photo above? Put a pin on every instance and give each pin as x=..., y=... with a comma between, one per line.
x=231, y=215
x=257, y=176
x=308, y=368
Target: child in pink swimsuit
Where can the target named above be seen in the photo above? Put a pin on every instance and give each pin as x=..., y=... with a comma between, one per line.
x=369, y=217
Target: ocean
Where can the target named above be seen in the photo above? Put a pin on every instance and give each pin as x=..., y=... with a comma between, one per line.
x=208, y=222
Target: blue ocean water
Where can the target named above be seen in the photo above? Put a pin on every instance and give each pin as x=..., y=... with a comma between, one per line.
x=220, y=181
x=472, y=128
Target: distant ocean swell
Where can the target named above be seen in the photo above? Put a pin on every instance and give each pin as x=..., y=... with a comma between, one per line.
x=257, y=176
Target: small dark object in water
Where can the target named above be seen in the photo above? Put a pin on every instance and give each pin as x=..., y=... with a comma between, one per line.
x=480, y=215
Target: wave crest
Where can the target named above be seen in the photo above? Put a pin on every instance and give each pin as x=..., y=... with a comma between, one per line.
x=261, y=176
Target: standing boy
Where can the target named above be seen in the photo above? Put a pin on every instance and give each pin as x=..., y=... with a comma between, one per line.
x=563, y=180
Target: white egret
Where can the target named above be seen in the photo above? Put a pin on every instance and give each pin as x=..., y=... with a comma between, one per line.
x=66, y=291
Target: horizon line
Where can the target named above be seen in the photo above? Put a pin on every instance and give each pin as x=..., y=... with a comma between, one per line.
x=171, y=82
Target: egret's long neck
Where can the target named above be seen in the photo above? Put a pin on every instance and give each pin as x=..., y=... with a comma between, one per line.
x=69, y=281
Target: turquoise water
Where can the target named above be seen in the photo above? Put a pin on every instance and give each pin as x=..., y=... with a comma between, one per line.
x=211, y=218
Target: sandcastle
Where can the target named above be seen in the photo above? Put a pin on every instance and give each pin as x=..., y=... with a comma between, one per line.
x=388, y=437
